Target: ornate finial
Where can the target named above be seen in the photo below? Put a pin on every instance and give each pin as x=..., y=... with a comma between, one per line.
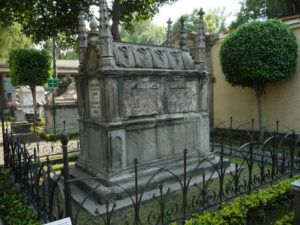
x=82, y=36
x=169, y=37
x=94, y=26
x=105, y=37
x=93, y=34
x=201, y=45
x=64, y=139
x=182, y=42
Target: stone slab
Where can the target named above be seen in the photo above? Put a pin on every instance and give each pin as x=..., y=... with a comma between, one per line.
x=25, y=137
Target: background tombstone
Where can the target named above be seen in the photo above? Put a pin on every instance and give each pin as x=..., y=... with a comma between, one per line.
x=66, y=109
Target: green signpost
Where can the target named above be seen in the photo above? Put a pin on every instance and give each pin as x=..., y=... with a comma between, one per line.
x=52, y=84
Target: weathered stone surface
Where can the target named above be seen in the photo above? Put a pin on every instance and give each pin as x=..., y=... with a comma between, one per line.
x=141, y=97
x=66, y=108
x=20, y=127
x=138, y=102
x=94, y=98
x=142, y=56
x=20, y=115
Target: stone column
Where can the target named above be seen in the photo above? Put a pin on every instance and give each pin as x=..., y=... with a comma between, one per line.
x=295, y=186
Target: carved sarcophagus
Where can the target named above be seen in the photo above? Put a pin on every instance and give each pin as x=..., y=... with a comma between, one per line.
x=138, y=102
x=146, y=105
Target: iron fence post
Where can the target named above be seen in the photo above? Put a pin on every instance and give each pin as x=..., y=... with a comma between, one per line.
x=230, y=135
x=184, y=200
x=250, y=167
x=252, y=129
x=67, y=190
x=136, y=206
x=292, y=153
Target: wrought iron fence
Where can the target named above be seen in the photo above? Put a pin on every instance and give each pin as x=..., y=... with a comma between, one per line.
x=234, y=171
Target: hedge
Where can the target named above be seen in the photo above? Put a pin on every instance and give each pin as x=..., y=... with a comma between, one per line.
x=12, y=209
x=246, y=206
x=286, y=220
x=51, y=137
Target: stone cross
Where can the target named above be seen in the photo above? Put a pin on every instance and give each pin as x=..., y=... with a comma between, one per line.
x=182, y=42
x=169, y=37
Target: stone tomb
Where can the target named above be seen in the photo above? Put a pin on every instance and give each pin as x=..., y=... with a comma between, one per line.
x=66, y=110
x=137, y=101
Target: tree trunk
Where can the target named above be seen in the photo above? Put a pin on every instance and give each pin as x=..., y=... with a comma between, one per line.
x=259, y=90
x=54, y=57
x=116, y=12
x=32, y=88
x=3, y=99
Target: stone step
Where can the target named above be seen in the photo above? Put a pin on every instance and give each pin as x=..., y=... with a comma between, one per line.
x=92, y=203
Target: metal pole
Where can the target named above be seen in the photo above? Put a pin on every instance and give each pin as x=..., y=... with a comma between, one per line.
x=54, y=112
x=67, y=190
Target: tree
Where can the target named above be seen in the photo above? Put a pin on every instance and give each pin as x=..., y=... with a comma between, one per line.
x=214, y=20
x=265, y=9
x=29, y=67
x=62, y=52
x=45, y=19
x=129, y=11
x=258, y=53
x=11, y=38
x=145, y=33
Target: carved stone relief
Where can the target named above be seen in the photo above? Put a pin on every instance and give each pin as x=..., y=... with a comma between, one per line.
x=142, y=57
x=124, y=56
x=160, y=58
x=94, y=98
x=175, y=60
x=182, y=96
x=141, y=97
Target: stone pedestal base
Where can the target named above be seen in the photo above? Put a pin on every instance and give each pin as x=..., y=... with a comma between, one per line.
x=25, y=137
x=121, y=187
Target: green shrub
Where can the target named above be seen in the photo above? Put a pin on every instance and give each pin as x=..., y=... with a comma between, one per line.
x=251, y=205
x=42, y=122
x=286, y=220
x=12, y=209
x=51, y=137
